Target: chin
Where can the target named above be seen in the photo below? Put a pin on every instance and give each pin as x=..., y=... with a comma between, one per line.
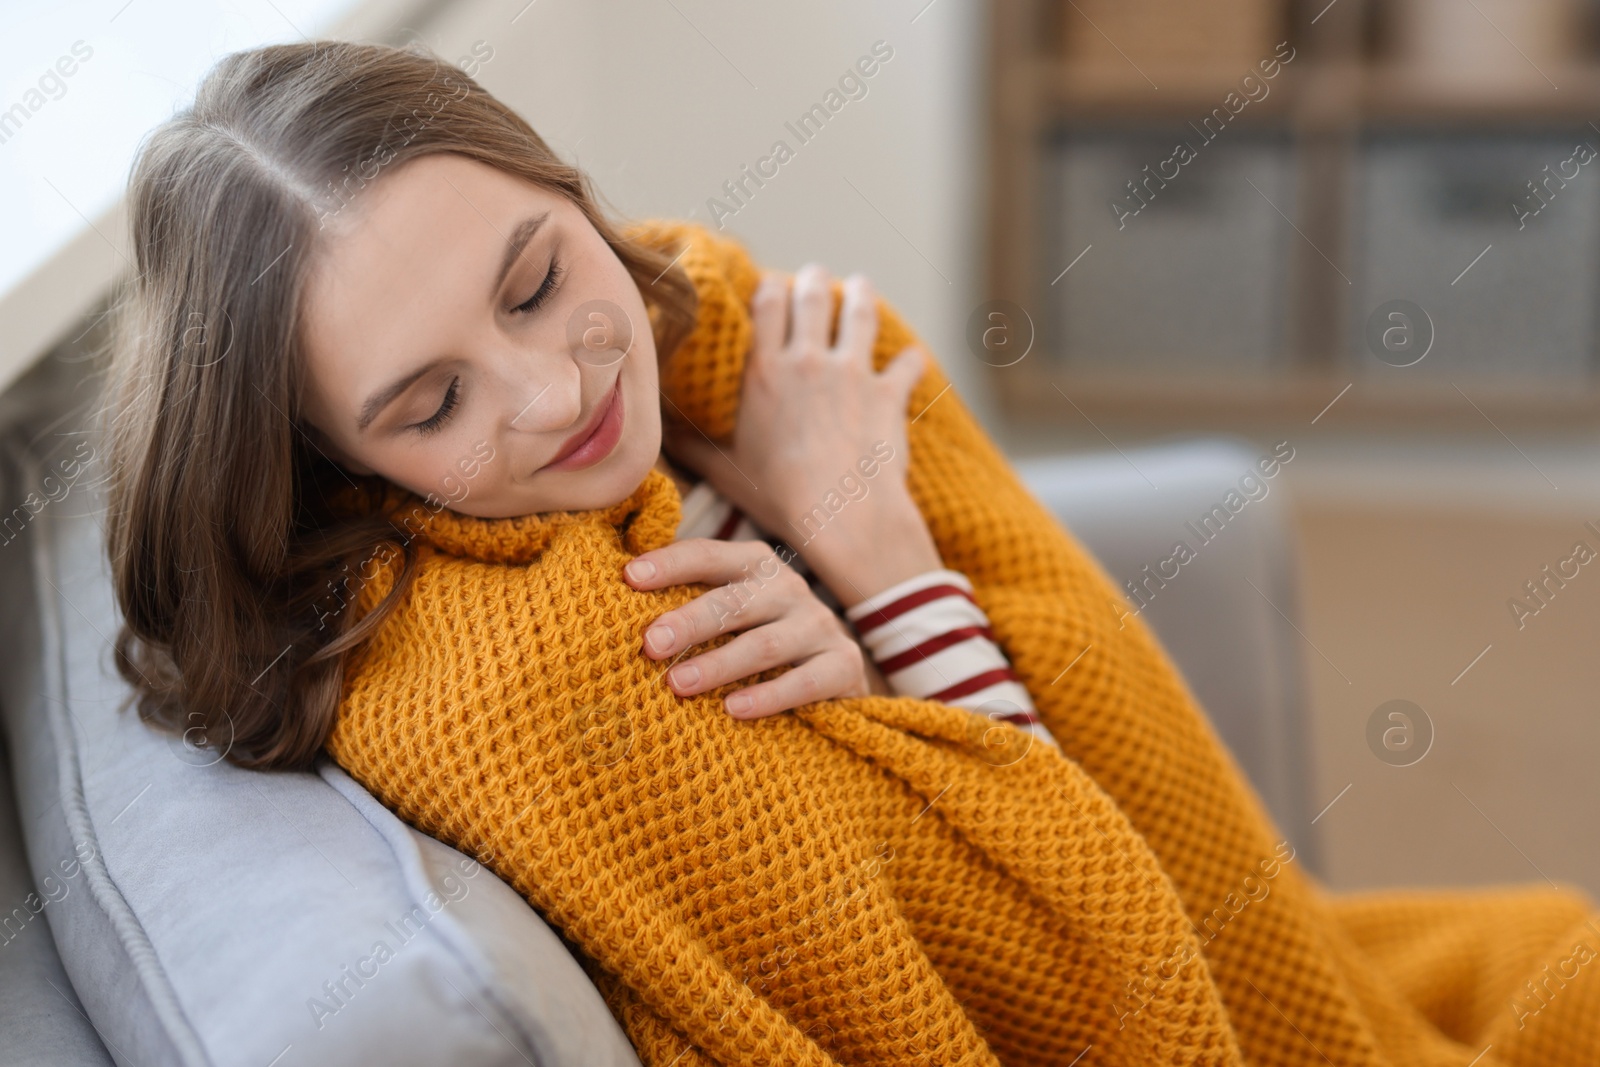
x=607, y=483
x=611, y=483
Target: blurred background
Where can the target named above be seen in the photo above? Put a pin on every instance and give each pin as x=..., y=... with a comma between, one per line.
x=1368, y=229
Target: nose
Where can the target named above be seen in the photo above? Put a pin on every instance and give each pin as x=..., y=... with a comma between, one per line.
x=550, y=397
x=520, y=420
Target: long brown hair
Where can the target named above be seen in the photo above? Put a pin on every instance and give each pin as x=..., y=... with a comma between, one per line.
x=231, y=565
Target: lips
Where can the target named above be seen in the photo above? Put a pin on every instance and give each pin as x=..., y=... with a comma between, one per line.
x=596, y=440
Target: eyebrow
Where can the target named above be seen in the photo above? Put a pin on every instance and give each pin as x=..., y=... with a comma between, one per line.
x=525, y=231
x=516, y=243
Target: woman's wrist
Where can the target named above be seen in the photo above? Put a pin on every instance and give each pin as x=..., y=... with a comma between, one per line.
x=872, y=551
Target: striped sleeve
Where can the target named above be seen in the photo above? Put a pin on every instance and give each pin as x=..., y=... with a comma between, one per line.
x=927, y=635
x=931, y=640
x=707, y=513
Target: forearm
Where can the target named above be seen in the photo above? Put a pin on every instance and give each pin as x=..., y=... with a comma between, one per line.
x=861, y=554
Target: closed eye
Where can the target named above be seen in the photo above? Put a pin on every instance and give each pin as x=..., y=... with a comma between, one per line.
x=546, y=289
x=437, y=419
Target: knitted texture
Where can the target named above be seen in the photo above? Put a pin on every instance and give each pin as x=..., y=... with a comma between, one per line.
x=893, y=881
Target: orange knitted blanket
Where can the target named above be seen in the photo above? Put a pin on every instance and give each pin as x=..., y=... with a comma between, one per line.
x=892, y=881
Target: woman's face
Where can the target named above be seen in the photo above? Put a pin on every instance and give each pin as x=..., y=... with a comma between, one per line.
x=471, y=335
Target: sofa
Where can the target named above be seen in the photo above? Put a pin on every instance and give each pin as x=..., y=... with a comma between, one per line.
x=161, y=907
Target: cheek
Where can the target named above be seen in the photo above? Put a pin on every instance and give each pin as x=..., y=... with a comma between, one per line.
x=641, y=375
x=447, y=468
x=452, y=483
x=641, y=394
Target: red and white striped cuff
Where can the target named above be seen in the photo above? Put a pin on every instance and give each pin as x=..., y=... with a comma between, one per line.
x=931, y=640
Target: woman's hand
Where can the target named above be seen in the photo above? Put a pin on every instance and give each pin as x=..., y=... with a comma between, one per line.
x=784, y=623
x=819, y=454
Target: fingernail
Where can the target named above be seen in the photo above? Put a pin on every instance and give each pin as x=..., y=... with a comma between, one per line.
x=641, y=569
x=685, y=675
x=659, y=638
x=738, y=702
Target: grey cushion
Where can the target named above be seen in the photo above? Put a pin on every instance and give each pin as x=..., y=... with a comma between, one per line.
x=226, y=916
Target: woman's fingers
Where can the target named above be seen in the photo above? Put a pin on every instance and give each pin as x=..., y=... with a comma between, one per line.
x=905, y=371
x=769, y=313
x=753, y=587
x=813, y=311
x=775, y=644
x=736, y=606
x=700, y=559
x=824, y=676
x=858, y=320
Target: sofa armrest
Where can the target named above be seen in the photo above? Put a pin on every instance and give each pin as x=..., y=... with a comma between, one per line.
x=1227, y=617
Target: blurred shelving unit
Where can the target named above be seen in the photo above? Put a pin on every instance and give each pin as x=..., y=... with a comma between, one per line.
x=1382, y=161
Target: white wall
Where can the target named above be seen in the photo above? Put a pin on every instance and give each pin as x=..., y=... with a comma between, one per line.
x=662, y=101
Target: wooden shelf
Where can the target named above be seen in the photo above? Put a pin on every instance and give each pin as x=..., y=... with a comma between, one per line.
x=1313, y=94
x=1332, y=93
x=1573, y=93
x=1049, y=392
x=1088, y=93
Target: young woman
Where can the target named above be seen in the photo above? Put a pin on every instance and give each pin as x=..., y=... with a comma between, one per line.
x=378, y=299
x=386, y=428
